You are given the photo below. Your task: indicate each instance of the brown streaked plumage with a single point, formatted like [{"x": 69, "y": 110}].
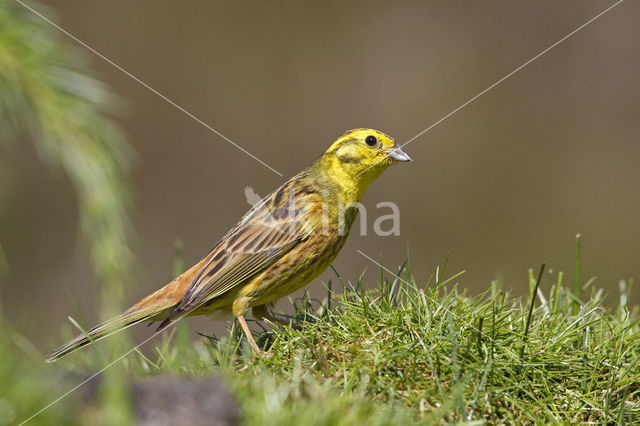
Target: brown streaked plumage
[{"x": 280, "y": 245}]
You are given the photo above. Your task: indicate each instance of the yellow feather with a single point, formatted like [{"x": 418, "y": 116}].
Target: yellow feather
[{"x": 280, "y": 245}]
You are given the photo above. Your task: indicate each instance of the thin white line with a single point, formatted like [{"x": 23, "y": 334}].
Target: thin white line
[
  {"x": 97, "y": 373},
  {"x": 146, "y": 86},
  {"x": 512, "y": 72},
  {"x": 266, "y": 165},
  {"x": 93, "y": 376},
  {"x": 503, "y": 78}
]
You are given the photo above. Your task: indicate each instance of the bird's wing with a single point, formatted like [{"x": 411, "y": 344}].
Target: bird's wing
[{"x": 264, "y": 235}]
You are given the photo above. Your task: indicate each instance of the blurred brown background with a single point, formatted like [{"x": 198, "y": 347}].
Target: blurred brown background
[{"x": 500, "y": 186}]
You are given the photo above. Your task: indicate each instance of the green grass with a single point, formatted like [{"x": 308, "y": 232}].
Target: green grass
[
  {"x": 403, "y": 352},
  {"x": 408, "y": 350}
]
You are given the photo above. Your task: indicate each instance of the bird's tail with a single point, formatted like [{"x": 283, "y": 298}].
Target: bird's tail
[
  {"x": 128, "y": 318},
  {"x": 156, "y": 306}
]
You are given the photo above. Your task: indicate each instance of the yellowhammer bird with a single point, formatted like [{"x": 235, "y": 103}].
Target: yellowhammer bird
[{"x": 280, "y": 245}]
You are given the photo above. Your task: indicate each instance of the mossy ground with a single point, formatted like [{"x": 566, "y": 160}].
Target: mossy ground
[{"x": 405, "y": 351}]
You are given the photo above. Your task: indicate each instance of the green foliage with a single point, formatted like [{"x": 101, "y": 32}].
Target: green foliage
[
  {"x": 48, "y": 98},
  {"x": 25, "y": 386},
  {"x": 403, "y": 352},
  {"x": 408, "y": 353}
]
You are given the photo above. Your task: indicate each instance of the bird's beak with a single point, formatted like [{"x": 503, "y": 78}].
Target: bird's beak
[{"x": 398, "y": 154}]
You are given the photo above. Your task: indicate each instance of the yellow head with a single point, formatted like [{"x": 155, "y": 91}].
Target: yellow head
[{"x": 358, "y": 157}]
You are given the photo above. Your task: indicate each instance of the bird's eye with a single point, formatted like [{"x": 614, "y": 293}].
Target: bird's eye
[{"x": 371, "y": 140}]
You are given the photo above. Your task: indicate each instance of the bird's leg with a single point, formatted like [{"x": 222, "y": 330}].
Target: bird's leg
[
  {"x": 262, "y": 313},
  {"x": 247, "y": 332}
]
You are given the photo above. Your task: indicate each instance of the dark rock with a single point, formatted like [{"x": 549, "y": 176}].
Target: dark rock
[{"x": 168, "y": 400}]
